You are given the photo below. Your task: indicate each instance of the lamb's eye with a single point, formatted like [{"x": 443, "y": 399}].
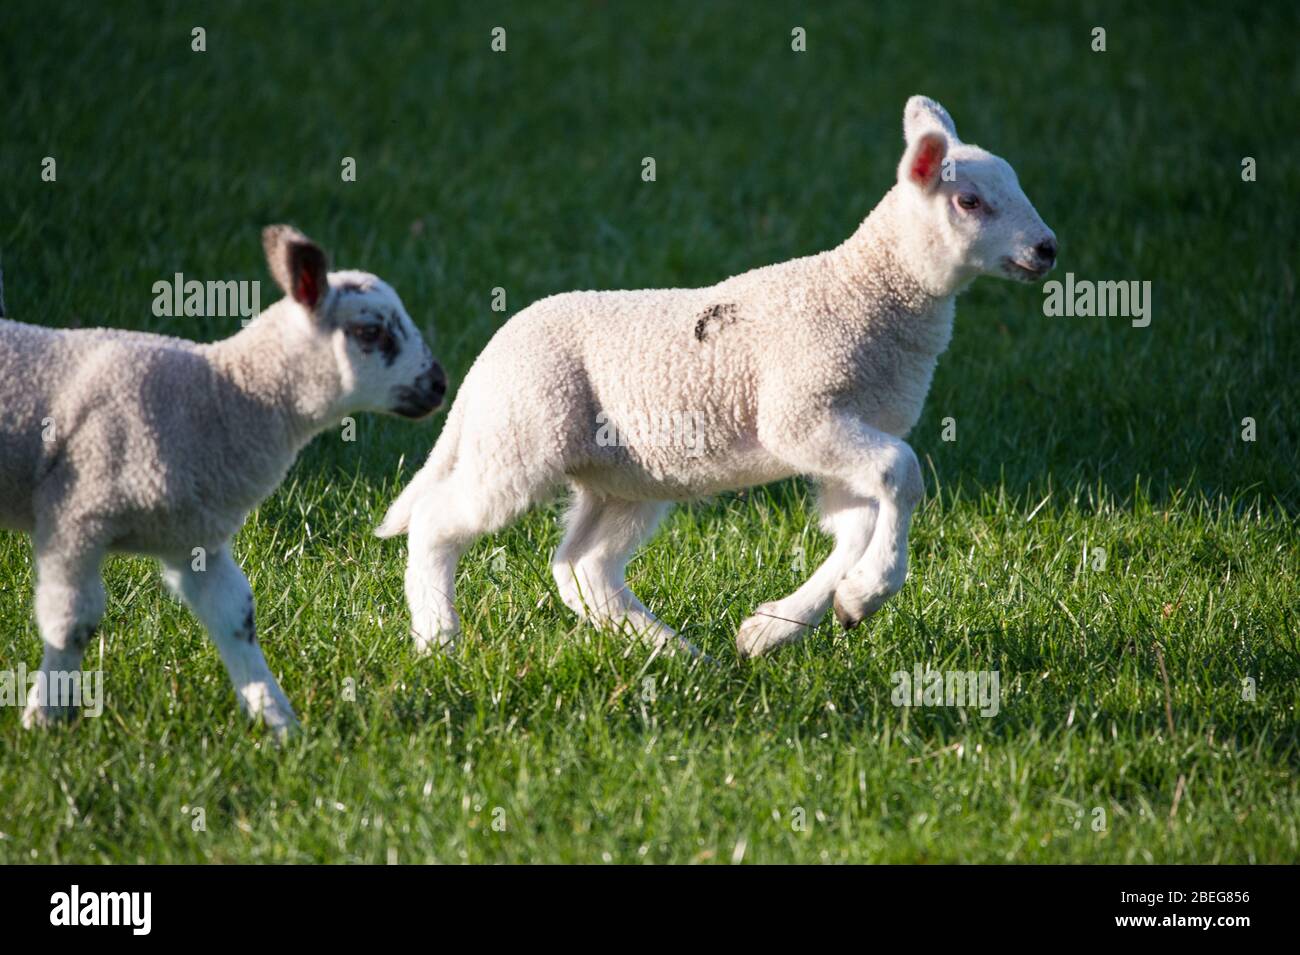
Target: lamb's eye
[
  {"x": 366, "y": 334},
  {"x": 968, "y": 201}
]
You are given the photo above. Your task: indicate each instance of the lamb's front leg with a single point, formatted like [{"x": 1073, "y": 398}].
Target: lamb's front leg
[
  {"x": 851, "y": 519},
  {"x": 875, "y": 467},
  {"x": 892, "y": 475},
  {"x": 221, "y": 598},
  {"x": 69, "y": 604}
]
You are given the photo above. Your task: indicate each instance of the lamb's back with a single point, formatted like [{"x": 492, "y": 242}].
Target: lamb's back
[{"x": 128, "y": 432}]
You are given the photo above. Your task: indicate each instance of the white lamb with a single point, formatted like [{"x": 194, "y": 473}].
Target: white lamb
[
  {"x": 122, "y": 441},
  {"x": 817, "y": 366}
]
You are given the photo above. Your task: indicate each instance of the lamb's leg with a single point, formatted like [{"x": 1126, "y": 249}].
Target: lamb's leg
[
  {"x": 434, "y": 547},
  {"x": 851, "y": 520},
  {"x": 69, "y": 604},
  {"x": 590, "y": 564},
  {"x": 893, "y": 478},
  {"x": 220, "y": 597},
  {"x": 449, "y": 516},
  {"x": 876, "y": 467}
]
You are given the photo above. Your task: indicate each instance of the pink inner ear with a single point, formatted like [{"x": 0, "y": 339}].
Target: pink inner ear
[
  {"x": 305, "y": 290},
  {"x": 926, "y": 164}
]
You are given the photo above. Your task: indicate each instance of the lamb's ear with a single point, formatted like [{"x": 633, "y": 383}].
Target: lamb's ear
[
  {"x": 922, "y": 113},
  {"x": 923, "y": 159},
  {"x": 297, "y": 264}
]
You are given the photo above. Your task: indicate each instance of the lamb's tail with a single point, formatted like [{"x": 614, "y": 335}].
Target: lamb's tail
[{"x": 440, "y": 464}]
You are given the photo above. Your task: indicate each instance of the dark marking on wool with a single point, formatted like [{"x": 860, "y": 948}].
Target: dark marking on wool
[
  {"x": 720, "y": 315},
  {"x": 249, "y": 630}
]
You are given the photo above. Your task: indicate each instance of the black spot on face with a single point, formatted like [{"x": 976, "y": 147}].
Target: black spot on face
[
  {"x": 388, "y": 351},
  {"x": 718, "y": 316},
  {"x": 379, "y": 333}
]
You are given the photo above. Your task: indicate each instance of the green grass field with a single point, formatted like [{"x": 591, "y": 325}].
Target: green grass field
[{"x": 1125, "y": 698}]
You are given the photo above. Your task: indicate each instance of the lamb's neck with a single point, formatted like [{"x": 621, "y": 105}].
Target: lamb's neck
[
  {"x": 279, "y": 365},
  {"x": 888, "y": 248}
]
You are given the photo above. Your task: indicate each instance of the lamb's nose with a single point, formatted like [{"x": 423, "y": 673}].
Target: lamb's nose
[
  {"x": 1046, "y": 250},
  {"x": 437, "y": 380}
]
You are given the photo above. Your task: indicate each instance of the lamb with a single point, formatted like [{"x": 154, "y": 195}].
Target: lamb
[
  {"x": 818, "y": 366},
  {"x": 123, "y": 441}
]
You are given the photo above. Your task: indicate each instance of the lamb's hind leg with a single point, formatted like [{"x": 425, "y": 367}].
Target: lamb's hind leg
[
  {"x": 449, "y": 516},
  {"x": 434, "y": 546},
  {"x": 851, "y": 519},
  {"x": 590, "y": 565},
  {"x": 220, "y": 597},
  {"x": 69, "y": 604}
]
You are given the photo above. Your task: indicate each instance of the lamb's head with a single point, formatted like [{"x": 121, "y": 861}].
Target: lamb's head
[
  {"x": 976, "y": 218},
  {"x": 382, "y": 361}
]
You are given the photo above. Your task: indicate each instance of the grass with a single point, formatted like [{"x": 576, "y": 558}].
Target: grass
[{"x": 1122, "y": 685}]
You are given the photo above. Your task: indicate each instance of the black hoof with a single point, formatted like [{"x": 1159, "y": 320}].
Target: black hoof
[{"x": 846, "y": 619}]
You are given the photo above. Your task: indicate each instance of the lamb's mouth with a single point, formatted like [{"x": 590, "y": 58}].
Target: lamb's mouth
[
  {"x": 1024, "y": 273},
  {"x": 415, "y": 403}
]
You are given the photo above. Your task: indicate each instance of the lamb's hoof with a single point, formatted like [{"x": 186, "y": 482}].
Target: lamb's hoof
[
  {"x": 41, "y": 717},
  {"x": 268, "y": 705},
  {"x": 766, "y": 630},
  {"x": 282, "y": 728},
  {"x": 676, "y": 645},
  {"x": 749, "y": 638},
  {"x": 443, "y": 641},
  {"x": 847, "y": 620}
]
